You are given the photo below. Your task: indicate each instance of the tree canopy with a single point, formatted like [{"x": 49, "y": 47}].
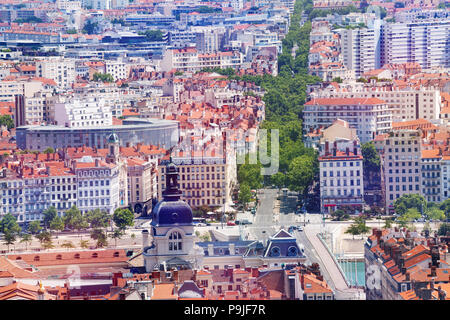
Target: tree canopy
[{"x": 123, "y": 218}]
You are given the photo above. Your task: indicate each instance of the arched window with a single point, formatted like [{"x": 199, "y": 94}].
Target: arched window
[
  {"x": 175, "y": 241},
  {"x": 275, "y": 252},
  {"x": 292, "y": 251}
]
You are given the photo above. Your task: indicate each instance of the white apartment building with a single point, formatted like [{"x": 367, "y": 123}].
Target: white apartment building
[
  {"x": 98, "y": 186},
  {"x": 61, "y": 70},
  {"x": 369, "y": 117},
  {"x": 29, "y": 190},
  {"x": 358, "y": 49},
  {"x": 445, "y": 177},
  {"x": 189, "y": 59},
  {"x": 117, "y": 69},
  {"x": 68, "y": 5},
  {"x": 406, "y": 104},
  {"x": 401, "y": 165},
  {"x": 431, "y": 175},
  {"x": 341, "y": 168},
  {"x": 423, "y": 41},
  {"x": 82, "y": 113}
]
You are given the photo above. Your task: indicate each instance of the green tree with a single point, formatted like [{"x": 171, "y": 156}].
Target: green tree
[
  {"x": 279, "y": 179},
  {"x": 68, "y": 245},
  {"x": 387, "y": 223},
  {"x": 71, "y": 31},
  {"x": 301, "y": 173},
  {"x": 9, "y": 237},
  {"x": 49, "y": 214},
  {"x": 340, "y": 215},
  {"x": 435, "y": 214},
  {"x": 57, "y": 224},
  {"x": 84, "y": 244},
  {"x": 245, "y": 194},
  {"x": 26, "y": 238},
  {"x": 89, "y": 27},
  {"x": 6, "y": 120},
  {"x": 445, "y": 206},
  {"x": 9, "y": 224},
  {"x": 49, "y": 150},
  {"x": 44, "y": 236},
  {"x": 353, "y": 230},
  {"x": 47, "y": 244},
  {"x": 98, "y": 219},
  {"x": 103, "y": 77},
  {"x": 123, "y": 218},
  {"x": 100, "y": 236},
  {"x": 153, "y": 35},
  {"x": 408, "y": 217},
  {"x": 408, "y": 201},
  {"x": 117, "y": 234},
  {"x": 72, "y": 218}
]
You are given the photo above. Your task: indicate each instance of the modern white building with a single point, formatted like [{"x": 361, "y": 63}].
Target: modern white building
[
  {"x": 61, "y": 70},
  {"x": 422, "y": 41},
  {"x": 369, "y": 117},
  {"x": 445, "y": 177},
  {"x": 118, "y": 69},
  {"x": 359, "y": 49},
  {"x": 83, "y": 113}
]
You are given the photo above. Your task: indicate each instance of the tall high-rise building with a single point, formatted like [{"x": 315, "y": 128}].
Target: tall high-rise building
[{"x": 422, "y": 41}]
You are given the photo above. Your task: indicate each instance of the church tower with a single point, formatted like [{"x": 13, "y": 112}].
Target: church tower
[
  {"x": 113, "y": 149},
  {"x": 172, "y": 229}
]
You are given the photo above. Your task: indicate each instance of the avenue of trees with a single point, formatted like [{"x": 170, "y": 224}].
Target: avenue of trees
[{"x": 97, "y": 221}]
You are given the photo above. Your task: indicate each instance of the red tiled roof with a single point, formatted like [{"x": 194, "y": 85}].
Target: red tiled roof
[{"x": 344, "y": 101}]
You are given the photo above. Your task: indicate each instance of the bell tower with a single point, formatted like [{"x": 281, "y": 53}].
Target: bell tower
[{"x": 113, "y": 149}]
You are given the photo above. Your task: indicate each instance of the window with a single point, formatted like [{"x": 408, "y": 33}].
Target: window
[
  {"x": 37, "y": 258},
  {"x": 58, "y": 257},
  {"x": 116, "y": 254},
  {"x": 175, "y": 243},
  {"x": 94, "y": 255},
  {"x": 77, "y": 256}
]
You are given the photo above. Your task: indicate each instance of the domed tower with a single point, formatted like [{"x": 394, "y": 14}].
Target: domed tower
[
  {"x": 172, "y": 229},
  {"x": 113, "y": 149}
]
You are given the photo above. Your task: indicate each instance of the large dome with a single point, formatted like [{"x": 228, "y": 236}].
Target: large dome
[
  {"x": 171, "y": 210},
  {"x": 172, "y": 213}
]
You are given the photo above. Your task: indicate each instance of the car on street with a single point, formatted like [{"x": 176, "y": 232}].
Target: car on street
[
  {"x": 300, "y": 228},
  {"x": 292, "y": 229},
  {"x": 201, "y": 224},
  {"x": 231, "y": 223}
]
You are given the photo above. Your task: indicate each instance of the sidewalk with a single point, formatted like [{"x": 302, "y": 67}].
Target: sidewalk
[
  {"x": 324, "y": 255},
  {"x": 332, "y": 269}
]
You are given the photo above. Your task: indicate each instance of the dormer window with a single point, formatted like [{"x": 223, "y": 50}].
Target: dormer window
[
  {"x": 37, "y": 258},
  {"x": 94, "y": 255},
  {"x": 58, "y": 257}
]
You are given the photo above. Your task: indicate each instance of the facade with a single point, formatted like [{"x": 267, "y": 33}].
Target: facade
[
  {"x": 117, "y": 69},
  {"x": 445, "y": 177},
  {"x": 98, "y": 186},
  {"x": 358, "y": 49},
  {"x": 203, "y": 181},
  {"x": 149, "y": 132},
  {"x": 76, "y": 113},
  {"x": 61, "y": 70},
  {"x": 401, "y": 158},
  {"x": 189, "y": 59},
  {"x": 423, "y": 41},
  {"x": 341, "y": 169},
  {"x": 142, "y": 183},
  {"x": 369, "y": 117},
  {"x": 431, "y": 175}
]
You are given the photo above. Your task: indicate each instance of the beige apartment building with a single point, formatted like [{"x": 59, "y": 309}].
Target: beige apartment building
[
  {"x": 203, "y": 181},
  {"x": 401, "y": 164},
  {"x": 142, "y": 182},
  {"x": 406, "y": 104}
]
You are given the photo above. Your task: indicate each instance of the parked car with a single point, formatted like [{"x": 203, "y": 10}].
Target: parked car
[
  {"x": 300, "y": 228},
  {"x": 231, "y": 223},
  {"x": 292, "y": 229}
]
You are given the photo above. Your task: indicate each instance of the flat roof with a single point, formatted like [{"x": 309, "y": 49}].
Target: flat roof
[{"x": 130, "y": 123}]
